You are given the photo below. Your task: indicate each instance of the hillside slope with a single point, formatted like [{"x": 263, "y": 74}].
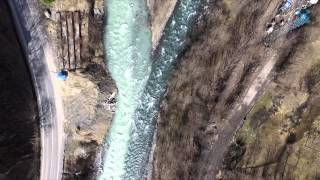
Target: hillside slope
[{"x": 214, "y": 87}]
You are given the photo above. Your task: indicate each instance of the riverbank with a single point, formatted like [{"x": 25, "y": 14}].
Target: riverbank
[
  {"x": 160, "y": 12},
  {"x": 211, "y": 92},
  {"x": 75, "y": 28}
]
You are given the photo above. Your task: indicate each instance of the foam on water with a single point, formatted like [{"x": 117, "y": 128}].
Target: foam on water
[
  {"x": 170, "y": 47},
  {"x": 128, "y": 46},
  {"x": 141, "y": 84}
]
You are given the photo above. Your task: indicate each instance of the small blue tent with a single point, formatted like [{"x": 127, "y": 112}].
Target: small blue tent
[{"x": 62, "y": 75}]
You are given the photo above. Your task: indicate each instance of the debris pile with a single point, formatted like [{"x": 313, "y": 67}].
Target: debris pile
[
  {"x": 292, "y": 14},
  {"x": 110, "y": 103},
  {"x": 302, "y": 17},
  {"x": 69, "y": 35}
]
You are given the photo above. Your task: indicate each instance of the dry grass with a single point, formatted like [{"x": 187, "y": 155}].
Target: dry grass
[
  {"x": 213, "y": 75},
  {"x": 295, "y": 116},
  {"x": 71, "y": 5}
]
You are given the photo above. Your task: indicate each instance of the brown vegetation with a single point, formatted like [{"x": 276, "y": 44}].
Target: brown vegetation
[
  {"x": 285, "y": 145},
  {"x": 226, "y": 53}
]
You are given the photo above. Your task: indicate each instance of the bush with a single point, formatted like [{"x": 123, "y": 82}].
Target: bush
[
  {"x": 312, "y": 77},
  {"x": 47, "y": 2},
  {"x": 234, "y": 154}
]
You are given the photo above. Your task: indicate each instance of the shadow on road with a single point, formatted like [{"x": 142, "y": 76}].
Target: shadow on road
[{"x": 19, "y": 132}]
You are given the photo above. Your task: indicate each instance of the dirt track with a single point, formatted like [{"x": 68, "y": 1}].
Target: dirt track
[{"x": 40, "y": 60}]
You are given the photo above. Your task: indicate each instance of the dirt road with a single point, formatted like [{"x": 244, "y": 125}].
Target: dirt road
[
  {"x": 40, "y": 60},
  {"x": 235, "y": 121}
]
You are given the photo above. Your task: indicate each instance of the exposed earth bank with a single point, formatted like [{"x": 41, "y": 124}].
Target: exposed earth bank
[{"x": 160, "y": 11}]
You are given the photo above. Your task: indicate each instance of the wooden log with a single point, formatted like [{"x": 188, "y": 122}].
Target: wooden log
[
  {"x": 72, "y": 62},
  {"x": 84, "y": 39},
  {"x": 59, "y": 41},
  {"x": 64, "y": 41},
  {"x": 77, "y": 46}
]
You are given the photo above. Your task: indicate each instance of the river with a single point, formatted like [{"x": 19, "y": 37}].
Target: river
[{"x": 140, "y": 82}]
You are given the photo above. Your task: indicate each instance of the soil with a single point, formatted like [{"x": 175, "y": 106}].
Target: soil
[
  {"x": 199, "y": 114},
  {"x": 19, "y": 130}
]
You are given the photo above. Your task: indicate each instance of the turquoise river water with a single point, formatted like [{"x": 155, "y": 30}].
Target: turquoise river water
[{"x": 140, "y": 82}]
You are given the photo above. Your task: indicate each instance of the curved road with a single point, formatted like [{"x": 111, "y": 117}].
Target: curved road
[{"x": 40, "y": 59}]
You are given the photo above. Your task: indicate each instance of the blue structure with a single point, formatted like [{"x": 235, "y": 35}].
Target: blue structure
[
  {"x": 62, "y": 75},
  {"x": 302, "y": 17},
  {"x": 286, "y": 5}
]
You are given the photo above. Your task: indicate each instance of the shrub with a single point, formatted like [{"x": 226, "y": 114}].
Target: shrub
[
  {"x": 234, "y": 154},
  {"x": 47, "y": 2}
]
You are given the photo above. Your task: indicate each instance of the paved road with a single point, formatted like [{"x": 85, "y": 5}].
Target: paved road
[{"x": 40, "y": 59}]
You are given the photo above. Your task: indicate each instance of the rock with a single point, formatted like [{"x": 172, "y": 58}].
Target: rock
[
  {"x": 313, "y": 1},
  {"x": 219, "y": 175},
  {"x": 47, "y": 13},
  {"x": 211, "y": 129}
]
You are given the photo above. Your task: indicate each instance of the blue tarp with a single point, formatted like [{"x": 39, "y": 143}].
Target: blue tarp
[
  {"x": 302, "y": 17},
  {"x": 62, "y": 75}
]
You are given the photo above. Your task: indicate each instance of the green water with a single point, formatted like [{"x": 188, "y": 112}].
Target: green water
[
  {"x": 166, "y": 57},
  {"x": 128, "y": 42},
  {"x": 141, "y": 84}
]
